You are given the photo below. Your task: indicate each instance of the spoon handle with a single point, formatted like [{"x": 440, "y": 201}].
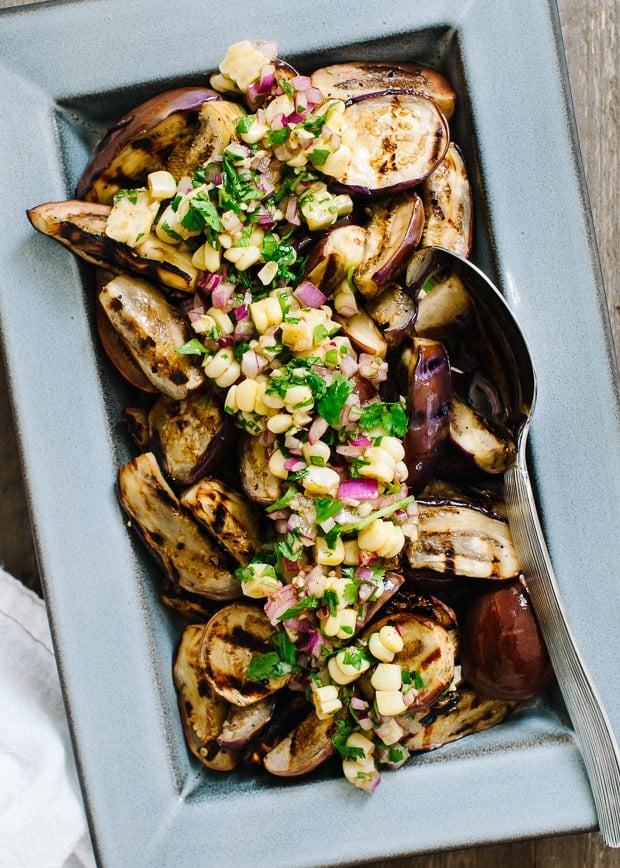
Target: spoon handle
[{"x": 593, "y": 730}]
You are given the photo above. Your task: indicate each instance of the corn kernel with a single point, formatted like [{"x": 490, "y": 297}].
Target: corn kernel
[
  {"x": 390, "y": 702},
  {"x": 207, "y": 258},
  {"x": 219, "y": 363},
  {"x": 391, "y": 638},
  {"x": 230, "y": 402},
  {"x": 276, "y": 464},
  {"x": 279, "y": 423},
  {"x": 373, "y": 536},
  {"x": 246, "y": 395},
  {"x": 298, "y": 397},
  {"x": 387, "y": 676},
  {"x": 348, "y": 623},
  {"x": 161, "y": 184},
  {"x": 243, "y": 257},
  {"x": 380, "y": 464},
  {"x": 297, "y": 336},
  {"x": 265, "y": 313},
  {"x": 378, "y": 649},
  {"x": 230, "y": 375},
  {"x": 356, "y": 739},
  {"x": 327, "y": 556},
  {"x": 344, "y": 673},
  {"x": 316, "y": 453},
  {"x": 321, "y": 480},
  {"x": 222, "y": 321},
  {"x": 261, "y": 582},
  {"x": 331, "y": 625},
  {"x": 351, "y": 553},
  {"x": 394, "y": 447},
  {"x": 394, "y": 541},
  {"x": 326, "y": 701}
]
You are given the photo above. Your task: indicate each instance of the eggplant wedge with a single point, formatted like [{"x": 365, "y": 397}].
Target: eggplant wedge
[
  {"x": 460, "y": 539},
  {"x": 399, "y": 140},
  {"x": 231, "y": 639},
  {"x": 304, "y": 749},
  {"x": 190, "y": 436},
  {"x": 231, "y": 519},
  {"x": 428, "y": 651},
  {"x": 257, "y": 481},
  {"x": 81, "y": 227},
  {"x": 426, "y": 371},
  {"x": 186, "y": 553},
  {"x": 486, "y": 443},
  {"x": 394, "y": 313},
  {"x": 393, "y": 230},
  {"x": 161, "y": 133},
  {"x": 447, "y": 198},
  {"x": 363, "y": 332},
  {"x": 118, "y": 354},
  {"x": 348, "y": 80},
  {"x": 456, "y": 714},
  {"x": 203, "y": 713},
  {"x": 334, "y": 255},
  {"x": 243, "y": 725},
  {"x": 152, "y": 329}
]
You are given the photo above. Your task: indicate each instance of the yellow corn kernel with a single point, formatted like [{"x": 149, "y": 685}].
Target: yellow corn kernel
[
  {"x": 266, "y": 313},
  {"x": 373, "y": 536},
  {"x": 343, "y": 673},
  {"x": 298, "y": 398},
  {"x": 331, "y": 624},
  {"x": 391, "y": 639},
  {"x": 390, "y": 702},
  {"x": 243, "y": 257},
  {"x": 273, "y": 401},
  {"x": 321, "y": 480},
  {"x": 387, "y": 676},
  {"x": 261, "y": 583},
  {"x": 356, "y": 739},
  {"x": 161, "y": 184},
  {"x": 207, "y": 258},
  {"x": 316, "y": 453},
  {"x": 230, "y": 375},
  {"x": 276, "y": 464},
  {"x": 246, "y": 395},
  {"x": 230, "y": 403},
  {"x": 326, "y": 701},
  {"x": 255, "y": 133},
  {"x": 394, "y": 541},
  {"x": 336, "y": 165},
  {"x": 219, "y": 363},
  {"x": 351, "y": 553},
  {"x": 394, "y": 447},
  {"x": 380, "y": 464},
  {"x": 204, "y": 325},
  {"x": 327, "y": 556},
  {"x": 279, "y": 423},
  {"x": 268, "y": 272},
  {"x": 131, "y": 218},
  {"x": 348, "y": 623},
  {"x": 297, "y": 336},
  {"x": 301, "y": 419},
  {"x": 222, "y": 320},
  {"x": 378, "y": 649},
  {"x": 345, "y": 301}
]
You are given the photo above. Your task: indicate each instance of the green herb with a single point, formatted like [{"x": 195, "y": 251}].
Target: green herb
[
  {"x": 378, "y": 513},
  {"x": 330, "y": 406},
  {"x": 132, "y": 195},
  {"x": 319, "y": 334},
  {"x": 326, "y": 507},
  {"x": 330, "y": 599},
  {"x": 284, "y": 501},
  {"x": 391, "y": 417},
  {"x": 193, "y": 347},
  {"x": 318, "y": 156},
  {"x": 275, "y": 663},
  {"x": 345, "y": 728},
  {"x": 202, "y": 214},
  {"x": 167, "y": 228},
  {"x": 308, "y": 602},
  {"x": 395, "y": 753},
  {"x": 355, "y": 656},
  {"x": 278, "y": 137}
]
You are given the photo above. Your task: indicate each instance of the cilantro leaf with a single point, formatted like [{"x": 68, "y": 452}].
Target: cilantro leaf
[
  {"x": 391, "y": 417},
  {"x": 330, "y": 406}
]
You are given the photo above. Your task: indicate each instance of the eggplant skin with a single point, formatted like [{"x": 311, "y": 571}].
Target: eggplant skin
[
  {"x": 189, "y": 558},
  {"x": 503, "y": 653}
]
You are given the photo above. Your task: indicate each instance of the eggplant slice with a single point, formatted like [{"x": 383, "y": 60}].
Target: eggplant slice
[
  {"x": 304, "y": 749},
  {"x": 488, "y": 444},
  {"x": 152, "y": 329},
  {"x": 447, "y": 198},
  {"x": 187, "y": 554},
  {"x": 232, "y": 637},
  {"x": 190, "y": 436},
  {"x": 203, "y": 712},
  {"x": 81, "y": 227},
  {"x": 460, "y": 539}
]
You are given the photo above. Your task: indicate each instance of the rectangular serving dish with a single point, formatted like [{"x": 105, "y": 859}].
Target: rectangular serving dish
[{"x": 69, "y": 69}]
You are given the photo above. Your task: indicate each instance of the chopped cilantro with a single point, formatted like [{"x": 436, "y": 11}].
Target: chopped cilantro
[
  {"x": 326, "y": 507},
  {"x": 273, "y": 664},
  {"x": 345, "y": 728},
  {"x": 308, "y": 602},
  {"x": 193, "y": 347},
  {"x": 331, "y": 404},
  {"x": 391, "y": 417}
]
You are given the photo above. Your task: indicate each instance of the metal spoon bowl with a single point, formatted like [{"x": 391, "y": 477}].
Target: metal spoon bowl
[{"x": 507, "y": 350}]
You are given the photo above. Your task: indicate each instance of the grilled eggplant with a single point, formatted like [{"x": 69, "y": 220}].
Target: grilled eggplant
[
  {"x": 426, "y": 372},
  {"x": 454, "y": 715},
  {"x": 400, "y": 139},
  {"x": 334, "y": 255},
  {"x": 189, "y": 436},
  {"x": 243, "y": 725},
  {"x": 394, "y": 313},
  {"x": 488, "y": 444},
  {"x": 307, "y": 747},
  {"x": 175, "y": 130},
  {"x": 348, "y": 80},
  {"x": 152, "y": 330},
  {"x": 393, "y": 230},
  {"x": 81, "y": 226},
  {"x": 232, "y": 637},
  {"x": 363, "y": 333},
  {"x": 257, "y": 481},
  {"x": 447, "y": 205},
  {"x": 187, "y": 554},
  {"x": 464, "y": 540},
  {"x": 202, "y": 711},
  {"x": 230, "y": 518}
]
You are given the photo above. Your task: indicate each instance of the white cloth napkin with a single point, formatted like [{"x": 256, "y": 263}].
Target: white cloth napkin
[{"x": 42, "y": 821}]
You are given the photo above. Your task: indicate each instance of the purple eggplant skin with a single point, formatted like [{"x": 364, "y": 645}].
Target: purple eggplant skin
[
  {"x": 404, "y": 137},
  {"x": 392, "y": 232},
  {"x": 347, "y": 80},
  {"x": 142, "y": 138},
  {"x": 394, "y": 312},
  {"x": 429, "y": 396},
  {"x": 502, "y": 651},
  {"x": 448, "y": 205}
]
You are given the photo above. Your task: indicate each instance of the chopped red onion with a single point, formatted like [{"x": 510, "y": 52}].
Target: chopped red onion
[
  {"x": 294, "y": 465},
  {"x": 318, "y": 427},
  {"x": 361, "y": 440},
  {"x": 309, "y": 295},
  {"x": 221, "y": 292},
  {"x": 358, "y": 489}
]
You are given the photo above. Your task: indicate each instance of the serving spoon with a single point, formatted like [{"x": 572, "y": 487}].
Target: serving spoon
[{"x": 509, "y": 350}]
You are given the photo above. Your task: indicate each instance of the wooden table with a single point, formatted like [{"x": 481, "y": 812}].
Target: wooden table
[{"x": 590, "y": 31}]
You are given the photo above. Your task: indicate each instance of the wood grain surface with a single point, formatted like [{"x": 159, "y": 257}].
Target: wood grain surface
[{"x": 590, "y": 33}]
